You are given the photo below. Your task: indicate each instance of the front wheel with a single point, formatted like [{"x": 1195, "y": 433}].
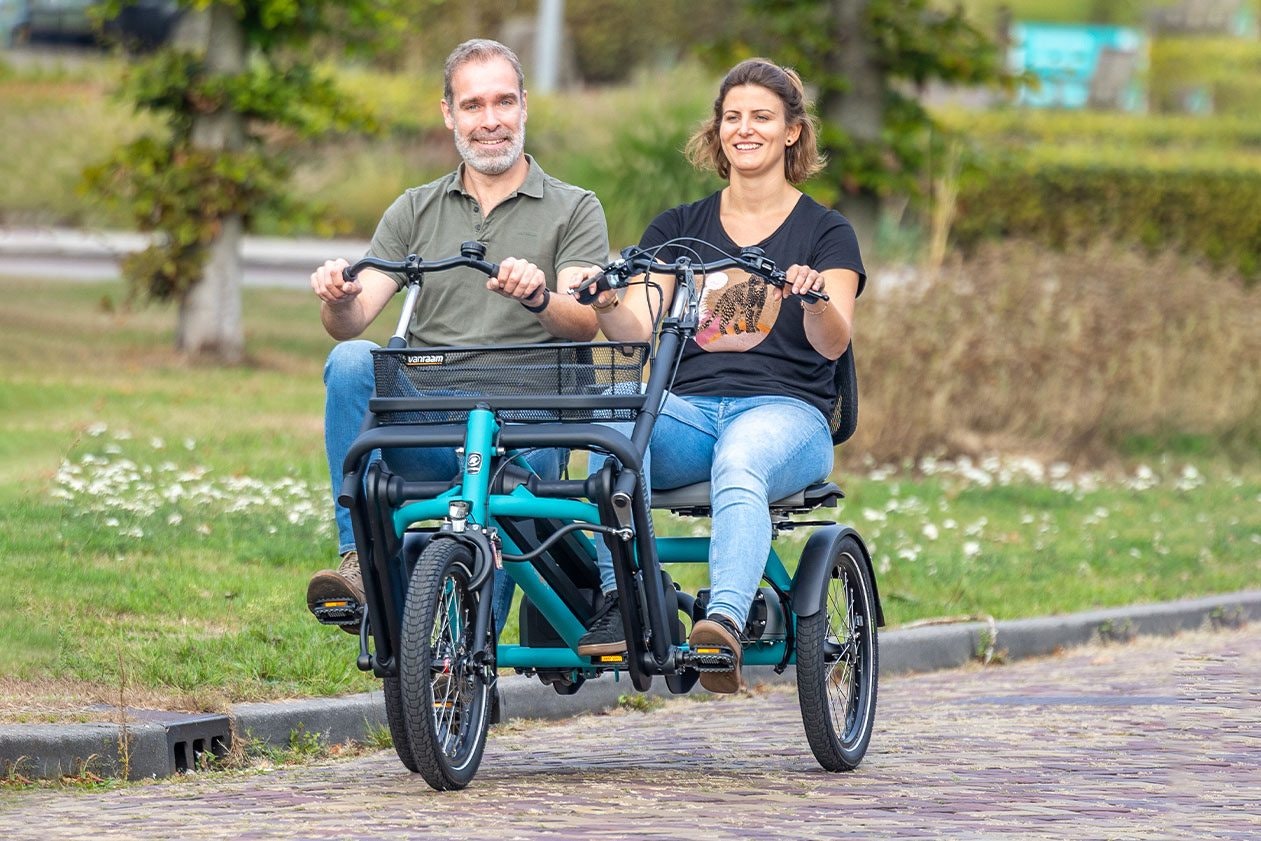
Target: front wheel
[
  {"x": 445, "y": 694},
  {"x": 838, "y": 663}
]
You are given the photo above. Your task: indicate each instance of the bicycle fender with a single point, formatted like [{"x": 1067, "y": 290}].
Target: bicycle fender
[
  {"x": 483, "y": 553},
  {"x": 812, "y": 570}
]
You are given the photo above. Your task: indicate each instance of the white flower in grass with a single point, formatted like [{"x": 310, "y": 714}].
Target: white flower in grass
[
  {"x": 971, "y": 549},
  {"x": 1189, "y": 480},
  {"x": 930, "y": 531},
  {"x": 190, "y": 443},
  {"x": 871, "y": 515},
  {"x": 949, "y": 523},
  {"x": 97, "y": 429},
  {"x": 174, "y": 519},
  {"x": 157, "y": 443},
  {"x": 111, "y": 522}
]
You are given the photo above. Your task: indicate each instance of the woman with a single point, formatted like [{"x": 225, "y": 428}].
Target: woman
[{"x": 748, "y": 411}]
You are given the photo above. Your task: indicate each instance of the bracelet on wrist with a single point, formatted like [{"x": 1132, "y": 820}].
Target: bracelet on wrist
[
  {"x": 823, "y": 306},
  {"x": 542, "y": 305},
  {"x": 612, "y": 305}
]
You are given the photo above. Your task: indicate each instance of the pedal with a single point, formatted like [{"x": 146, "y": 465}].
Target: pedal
[
  {"x": 341, "y": 612},
  {"x": 610, "y": 661},
  {"x": 710, "y": 658}
]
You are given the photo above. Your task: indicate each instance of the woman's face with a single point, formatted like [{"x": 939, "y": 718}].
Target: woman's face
[{"x": 753, "y": 130}]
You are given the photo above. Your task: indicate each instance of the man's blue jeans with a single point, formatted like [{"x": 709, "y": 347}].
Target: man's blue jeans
[
  {"x": 752, "y": 450},
  {"x": 348, "y": 382}
]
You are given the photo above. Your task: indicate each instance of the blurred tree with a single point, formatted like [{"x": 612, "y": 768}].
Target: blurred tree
[
  {"x": 234, "y": 89},
  {"x": 613, "y": 38},
  {"x": 869, "y": 61}
]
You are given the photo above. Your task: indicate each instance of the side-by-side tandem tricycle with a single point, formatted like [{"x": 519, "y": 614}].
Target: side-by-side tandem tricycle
[{"x": 429, "y": 550}]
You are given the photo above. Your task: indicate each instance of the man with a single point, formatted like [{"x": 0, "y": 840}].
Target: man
[{"x": 541, "y": 231}]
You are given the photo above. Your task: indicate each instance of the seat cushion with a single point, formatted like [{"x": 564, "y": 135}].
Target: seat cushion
[{"x": 695, "y": 499}]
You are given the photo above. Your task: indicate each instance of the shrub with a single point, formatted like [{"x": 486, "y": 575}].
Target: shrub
[
  {"x": 1228, "y": 70},
  {"x": 1205, "y": 212},
  {"x": 1073, "y": 354}
]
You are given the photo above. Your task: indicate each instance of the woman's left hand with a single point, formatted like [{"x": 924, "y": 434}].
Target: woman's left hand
[{"x": 802, "y": 279}]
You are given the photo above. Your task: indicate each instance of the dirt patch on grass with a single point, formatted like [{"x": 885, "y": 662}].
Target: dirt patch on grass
[{"x": 64, "y": 702}]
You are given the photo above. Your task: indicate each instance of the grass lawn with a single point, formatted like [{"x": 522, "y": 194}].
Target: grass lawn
[{"x": 160, "y": 520}]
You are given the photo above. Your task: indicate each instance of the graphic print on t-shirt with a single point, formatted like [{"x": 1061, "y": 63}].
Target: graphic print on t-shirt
[{"x": 738, "y": 310}]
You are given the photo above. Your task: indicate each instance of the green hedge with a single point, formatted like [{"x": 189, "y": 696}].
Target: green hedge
[
  {"x": 1211, "y": 213},
  {"x": 1227, "y": 69}
]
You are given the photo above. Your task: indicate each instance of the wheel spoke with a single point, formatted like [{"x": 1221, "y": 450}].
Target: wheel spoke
[
  {"x": 842, "y": 674},
  {"x": 448, "y": 671}
]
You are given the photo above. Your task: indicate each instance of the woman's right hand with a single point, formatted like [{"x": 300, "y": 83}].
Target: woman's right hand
[
  {"x": 330, "y": 286},
  {"x": 603, "y": 301}
]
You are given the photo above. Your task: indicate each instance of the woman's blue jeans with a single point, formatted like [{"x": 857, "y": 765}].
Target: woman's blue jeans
[
  {"x": 752, "y": 450},
  {"x": 349, "y": 382}
]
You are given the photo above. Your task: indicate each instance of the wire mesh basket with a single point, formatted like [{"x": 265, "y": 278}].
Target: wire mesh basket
[{"x": 564, "y": 381}]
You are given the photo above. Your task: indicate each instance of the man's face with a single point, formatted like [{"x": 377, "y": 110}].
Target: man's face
[{"x": 487, "y": 115}]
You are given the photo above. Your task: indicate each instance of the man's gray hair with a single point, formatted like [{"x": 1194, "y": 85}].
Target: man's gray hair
[{"x": 479, "y": 49}]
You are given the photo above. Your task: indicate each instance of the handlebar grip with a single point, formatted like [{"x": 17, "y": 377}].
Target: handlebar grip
[
  {"x": 780, "y": 279},
  {"x": 350, "y": 274},
  {"x": 590, "y": 289}
]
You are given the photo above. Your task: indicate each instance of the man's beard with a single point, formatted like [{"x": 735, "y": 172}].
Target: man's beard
[{"x": 487, "y": 162}]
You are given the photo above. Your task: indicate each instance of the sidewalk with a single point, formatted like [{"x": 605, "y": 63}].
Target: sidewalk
[
  {"x": 68, "y": 253},
  {"x": 164, "y": 743}
]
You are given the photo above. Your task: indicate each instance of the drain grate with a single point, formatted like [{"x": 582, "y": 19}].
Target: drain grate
[{"x": 192, "y": 739}]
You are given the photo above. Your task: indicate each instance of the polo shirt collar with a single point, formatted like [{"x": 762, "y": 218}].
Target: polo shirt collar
[{"x": 532, "y": 186}]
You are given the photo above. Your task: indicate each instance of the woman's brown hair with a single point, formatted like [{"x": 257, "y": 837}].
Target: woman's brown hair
[{"x": 801, "y": 159}]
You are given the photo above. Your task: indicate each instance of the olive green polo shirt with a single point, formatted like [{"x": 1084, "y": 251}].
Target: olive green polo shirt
[{"x": 546, "y": 221}]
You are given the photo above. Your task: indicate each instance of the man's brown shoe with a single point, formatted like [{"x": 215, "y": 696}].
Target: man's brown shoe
[
  {"x": 336, "y": 597},
  {"x": 718, "y": 630}
]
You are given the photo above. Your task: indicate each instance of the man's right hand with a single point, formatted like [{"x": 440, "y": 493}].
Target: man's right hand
[{"x": 331, "y": 287}]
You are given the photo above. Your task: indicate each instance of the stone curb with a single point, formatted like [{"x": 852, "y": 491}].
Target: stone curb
[{"x": 49, "y": 751}]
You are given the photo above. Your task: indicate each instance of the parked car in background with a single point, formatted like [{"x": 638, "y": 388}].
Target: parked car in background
[{"x": 140, "y": 25}]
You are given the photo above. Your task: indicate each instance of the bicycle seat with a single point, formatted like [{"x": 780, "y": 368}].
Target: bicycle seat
[{"x": 694, "y": 501}]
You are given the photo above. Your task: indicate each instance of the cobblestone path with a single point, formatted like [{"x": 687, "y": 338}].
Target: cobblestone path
[{"x": 1158, "y": 738}]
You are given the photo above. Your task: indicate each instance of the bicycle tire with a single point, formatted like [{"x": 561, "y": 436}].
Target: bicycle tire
[
  {"x": 838, "y": 663},
  {"x": 446, "y": 729}
]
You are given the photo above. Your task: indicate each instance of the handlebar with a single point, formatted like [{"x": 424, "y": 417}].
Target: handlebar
[
  {"x": 471, "y": 254},
  {"x": 636, "y": 261}
]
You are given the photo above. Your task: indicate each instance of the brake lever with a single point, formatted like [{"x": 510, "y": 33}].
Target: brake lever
[
  {"x": 609, "y": 277},
  {"x": 779, "y": 280}
]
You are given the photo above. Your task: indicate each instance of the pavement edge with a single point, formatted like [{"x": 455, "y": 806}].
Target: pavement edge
[{"x": 52, "y": 751}]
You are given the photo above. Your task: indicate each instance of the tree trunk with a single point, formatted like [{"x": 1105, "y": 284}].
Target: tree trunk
[
  {"x": 210, "y": 314},
  {"x": 859, "y": 109}
]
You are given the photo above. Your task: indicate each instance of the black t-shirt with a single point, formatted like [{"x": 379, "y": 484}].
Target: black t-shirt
[{"x": 751, "y": 342}]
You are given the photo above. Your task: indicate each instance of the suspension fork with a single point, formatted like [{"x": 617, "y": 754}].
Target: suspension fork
[{"x": 470, "y": 517}]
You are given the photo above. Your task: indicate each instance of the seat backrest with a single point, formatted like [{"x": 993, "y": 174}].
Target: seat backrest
[{"x": 844, "y": 418}]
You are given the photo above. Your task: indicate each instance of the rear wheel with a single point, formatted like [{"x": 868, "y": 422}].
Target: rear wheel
[
  {"x": 445, "y": 694},
  {"x": 838, "y": 662}
]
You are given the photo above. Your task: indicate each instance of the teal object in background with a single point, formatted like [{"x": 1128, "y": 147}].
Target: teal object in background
[{"x": 1080, "y": 65}]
